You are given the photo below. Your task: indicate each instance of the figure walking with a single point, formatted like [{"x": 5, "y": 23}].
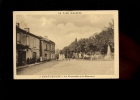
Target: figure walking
[
  {"x": 80, "y": 55},
  {"x": 57, "y": 57},
  {"x": 66, "y": 55}
]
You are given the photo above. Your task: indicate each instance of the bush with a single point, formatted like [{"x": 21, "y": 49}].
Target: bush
[
  {"x": 38, "y": 60},
  {"x": 87, "y": 58}
]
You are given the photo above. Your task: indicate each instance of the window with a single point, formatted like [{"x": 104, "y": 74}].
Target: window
[
  {"x": 34, "y": 42},
  {"x": 51, "y": 47},
  {"x": 28, "y": 40},
  {"x": 46, "y": 46},
  {"x": 45, "y": 55},
  {"x": 18, "y": 37}
]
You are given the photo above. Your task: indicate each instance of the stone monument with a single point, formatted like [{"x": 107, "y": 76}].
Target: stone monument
[{"x": 108, "y": 55}]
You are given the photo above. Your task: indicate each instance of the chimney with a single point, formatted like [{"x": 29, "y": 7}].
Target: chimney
[
  {"x": 46, "y": 37},
  {"x": 17, "y": 24},
  {"x": 27, "y": 29}
]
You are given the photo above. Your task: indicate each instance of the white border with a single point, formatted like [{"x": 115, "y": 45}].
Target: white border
[{"x": 116, "y": 44}]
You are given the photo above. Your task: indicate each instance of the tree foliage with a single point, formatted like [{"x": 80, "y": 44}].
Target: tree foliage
[{"x": 98, "y": 42}]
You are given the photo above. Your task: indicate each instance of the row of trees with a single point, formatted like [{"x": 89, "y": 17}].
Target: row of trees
[{"x": 98, "y": 42}]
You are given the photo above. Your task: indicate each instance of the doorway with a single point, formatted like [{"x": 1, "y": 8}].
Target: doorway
[
  {"x": 34, "y": 56},
  {"x": 21, "y": 58}
]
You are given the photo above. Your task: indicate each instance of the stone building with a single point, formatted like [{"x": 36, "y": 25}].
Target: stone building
[
  {"x": 27, "y": 46},
  {"x": 47, "y": 49},
  {"x": 31, "y": 48}
]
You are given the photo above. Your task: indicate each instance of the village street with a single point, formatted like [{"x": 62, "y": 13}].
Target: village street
[{"x": 72, "y": 67}]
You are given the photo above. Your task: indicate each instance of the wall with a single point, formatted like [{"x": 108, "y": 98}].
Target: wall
[
  {"x": 48, "y": 55},
  {"x": 34, "y": 44},
  {"x": 48, "y": 46},
  {"x": 52, "y": 49},
  {"x": 37, "y": 53},
  {"x": 22, "y": 38},
  {"x": 43, "y": 46},
  {"x": 34, "y": 48},
  {"x": 44, "y": 51},
  {"x": 31, "y": 42}
]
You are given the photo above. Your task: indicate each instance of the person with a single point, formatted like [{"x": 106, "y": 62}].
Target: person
[
  {"x": 71, "y": 54},
  {"x": 34, "y": 59},
  {"x": 80, "y": 55},
  {"x": 66, "y": 55},
  {"x": 77, "y": 55},
  {"x": 27, "y": 60},
  {"x": 91, "y": 57},
  {"x": 57, "y": 57},
  {"x": 63, "y": 56},
  {"x": 60, "y": 56},
  {"x": 83, "y": 55}
]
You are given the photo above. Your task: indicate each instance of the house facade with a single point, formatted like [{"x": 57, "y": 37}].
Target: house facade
[
  {"x": 44, "y": 48},
  {"x": 27, "y": 47},
  {"x": 52, "y": 49},
  {"x": 31, "y": 48},
  {"x": 47, "y": 49}
]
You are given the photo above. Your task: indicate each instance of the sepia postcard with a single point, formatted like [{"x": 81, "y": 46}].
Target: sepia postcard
[{"x": 66, "y": 44}]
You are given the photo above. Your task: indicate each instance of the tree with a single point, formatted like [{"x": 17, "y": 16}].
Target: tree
[
  {"x": 96, "y": 42},
  {"x": 111, "y": 24}
]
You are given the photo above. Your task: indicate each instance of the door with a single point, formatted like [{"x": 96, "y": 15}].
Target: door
[
  {"x": 34, "y": 56},
  {"x": 21, "y": 58}
]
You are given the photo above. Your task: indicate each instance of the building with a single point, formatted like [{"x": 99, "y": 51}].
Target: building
[
  {"x": 31, "y": 48},
  {"x": 47, "y": 49},
  {"x": 52, "y": 49},
  {"x": 27, "y": 46}
]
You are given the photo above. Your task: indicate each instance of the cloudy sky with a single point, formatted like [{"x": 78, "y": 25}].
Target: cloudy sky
[{"x": 63, "y": 29}]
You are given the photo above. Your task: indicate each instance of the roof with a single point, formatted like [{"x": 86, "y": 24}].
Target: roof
[
  {"x": 25, "y": 32},
  {"x": 44, "y": 39},
  {"x": 39, "y": 37},
  {"x": 52, "y": 42},
  {"x": 47, "y": 40}
]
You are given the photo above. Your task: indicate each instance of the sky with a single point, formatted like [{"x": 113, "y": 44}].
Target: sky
[{"x": 64, "y": 29}]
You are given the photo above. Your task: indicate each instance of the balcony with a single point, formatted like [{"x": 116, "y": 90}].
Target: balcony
[{"x": 21, "y": 46}]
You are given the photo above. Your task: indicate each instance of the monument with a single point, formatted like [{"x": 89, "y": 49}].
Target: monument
[{"x": 108, "y": 55}]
